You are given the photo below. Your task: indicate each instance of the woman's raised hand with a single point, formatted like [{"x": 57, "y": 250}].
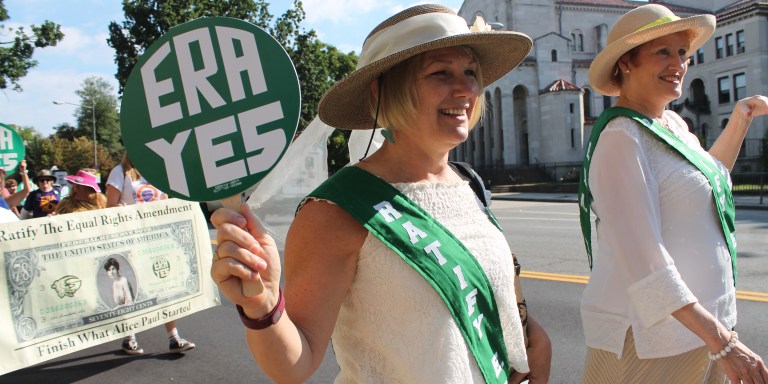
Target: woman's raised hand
[
  {"x": 244, "y": 252},
  {"x": 752, "y": 106}
]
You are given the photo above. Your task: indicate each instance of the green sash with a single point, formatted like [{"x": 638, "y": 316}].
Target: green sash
[
  {"x": 722, "y": 191},
  {"x": 427, "y": 246}
]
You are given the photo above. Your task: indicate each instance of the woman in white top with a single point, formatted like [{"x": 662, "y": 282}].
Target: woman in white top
[
  {"x": 660, "y": 305},
  {"x": 126, "y": 186},
  {"x": 420, "y": 75}
]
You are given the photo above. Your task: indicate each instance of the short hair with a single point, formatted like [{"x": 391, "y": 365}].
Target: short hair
[
  {"x": 398, "y": 94},
  {"x": 111, "y": 262},
  {"x": 618, "y": 76}
]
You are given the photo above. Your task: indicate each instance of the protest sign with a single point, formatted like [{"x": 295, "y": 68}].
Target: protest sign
[
  {"x": 58, "y": 295},
  {"x": 12, "y": 149},
  {"x": 210, "y": 108}
]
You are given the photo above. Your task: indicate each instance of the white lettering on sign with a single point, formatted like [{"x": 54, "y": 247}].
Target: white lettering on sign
[
  {"x": 6, "y": 139},
  {"x": 248, "y": 62},
  {"x": 7, "y": 160},
  {"x": 210, "y": 153},
  {"x": 153, "y": 89},
  {"x": 171, "y": 154},
  {"x": 269, "y": 143},
  {"x": 194, "y": 81},
  {"x": 264, "y": 148}
]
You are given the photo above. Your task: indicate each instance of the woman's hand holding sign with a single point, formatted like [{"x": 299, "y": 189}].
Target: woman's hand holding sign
[{"x": 244, "y": 252}]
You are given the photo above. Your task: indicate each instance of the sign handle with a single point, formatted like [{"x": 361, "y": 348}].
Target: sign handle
[{"x": 250, "y": 288}]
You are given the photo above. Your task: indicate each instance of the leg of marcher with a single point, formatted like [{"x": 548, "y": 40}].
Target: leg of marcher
[{"x": 175, "y": 343}]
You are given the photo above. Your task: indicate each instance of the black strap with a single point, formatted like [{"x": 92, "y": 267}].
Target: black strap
[{"x": 469, "y": 174}]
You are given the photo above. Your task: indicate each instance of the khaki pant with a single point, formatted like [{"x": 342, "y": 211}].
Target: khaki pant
[{"x": 603, "y": 367}]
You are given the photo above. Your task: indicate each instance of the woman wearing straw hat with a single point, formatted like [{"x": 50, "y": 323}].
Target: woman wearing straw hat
[
  {"x": 394, "y": 259},
  {"x": 660, "y": 305}
]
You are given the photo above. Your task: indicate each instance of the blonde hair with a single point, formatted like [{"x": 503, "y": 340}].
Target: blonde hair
[
  {"x": 398, "y": 94},
  {"x": 129, "y": 169},
  {"x": 69, "y": 204}
]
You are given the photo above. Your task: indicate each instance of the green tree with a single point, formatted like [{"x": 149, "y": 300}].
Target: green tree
[
  {"x": 16, "y": 55},
  {"x": 64, "y": 131},
  {"x": 27, "y": 133},
  {"x": 40, "y": 154},
  {"x": 97, "y": 100},
  {"x": 147, "y": 20}
]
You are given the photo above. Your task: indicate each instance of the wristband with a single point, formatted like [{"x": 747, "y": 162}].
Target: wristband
[{"x": 268, "y": 320}]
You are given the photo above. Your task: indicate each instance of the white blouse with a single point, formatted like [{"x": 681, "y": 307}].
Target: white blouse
[{"x": 660, "y": 244}]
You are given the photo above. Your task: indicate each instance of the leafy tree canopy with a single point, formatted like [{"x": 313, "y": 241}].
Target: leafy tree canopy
[
  {"x": 16, "y": 55},
  {"x": 97, "y": 101},
  {"x": 318, "y": 65}
]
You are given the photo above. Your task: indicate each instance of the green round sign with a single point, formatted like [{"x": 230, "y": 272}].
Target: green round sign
[
  {"x": 210, "y": 108},
  {"x": 12, "y": 149}
]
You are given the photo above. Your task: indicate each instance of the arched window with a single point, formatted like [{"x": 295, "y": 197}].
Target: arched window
[
  {"x": 581, "y": 42},
  {"x": 587, "y": 103},
  {"x": 554, "y": 55},
  {"x": 573, "y": 41}
]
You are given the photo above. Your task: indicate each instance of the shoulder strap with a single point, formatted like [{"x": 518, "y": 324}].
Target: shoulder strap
[
  {"x": 476, "y": 183},
  {"x": 469, "y": 174},
  {"x": 432, "y": 250}
]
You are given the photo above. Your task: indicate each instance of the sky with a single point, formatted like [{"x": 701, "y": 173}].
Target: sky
[{"x": 84, "y": 51}]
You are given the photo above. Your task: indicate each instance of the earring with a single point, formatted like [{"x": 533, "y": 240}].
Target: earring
[
  {"x": 627, "y": 71},
  {"x": 388, "y": 135}
]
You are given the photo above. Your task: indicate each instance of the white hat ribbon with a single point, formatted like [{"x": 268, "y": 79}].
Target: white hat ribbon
[{"x": 410, "y": 33}]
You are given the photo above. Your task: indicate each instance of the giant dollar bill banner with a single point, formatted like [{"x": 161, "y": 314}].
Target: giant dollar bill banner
[{"x": 73, "y": 281}]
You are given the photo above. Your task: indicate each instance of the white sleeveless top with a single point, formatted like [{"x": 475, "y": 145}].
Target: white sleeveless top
[{"x": 394, "y": 328}]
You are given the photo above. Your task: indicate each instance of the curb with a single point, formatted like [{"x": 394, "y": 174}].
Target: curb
[{"x": 568, "y": 199}]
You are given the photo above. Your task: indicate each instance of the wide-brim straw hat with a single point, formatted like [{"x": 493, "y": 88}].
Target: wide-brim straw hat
[
  {"x": 639, "y": 26},
  {"x": 408, "y": 33}
]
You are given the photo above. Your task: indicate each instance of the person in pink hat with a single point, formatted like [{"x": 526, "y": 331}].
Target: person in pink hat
[{"x": 85, "y": 194}]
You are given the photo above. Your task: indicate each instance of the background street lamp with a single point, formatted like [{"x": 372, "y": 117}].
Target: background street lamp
[{"x": 93, "y": 118}]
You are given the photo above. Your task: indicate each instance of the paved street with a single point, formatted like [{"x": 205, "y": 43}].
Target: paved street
[{"x": 546, "y": 238}]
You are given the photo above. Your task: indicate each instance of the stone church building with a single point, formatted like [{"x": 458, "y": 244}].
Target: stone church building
[{"x": 540, "y": 114}]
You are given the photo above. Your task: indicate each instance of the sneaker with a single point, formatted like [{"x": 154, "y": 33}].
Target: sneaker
[
  {"x": 131, "y": 347},
  {"x": 180, "y": 345}
]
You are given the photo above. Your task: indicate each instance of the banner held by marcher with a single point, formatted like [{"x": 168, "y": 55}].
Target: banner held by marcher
[{"x": 209, "y": 110}]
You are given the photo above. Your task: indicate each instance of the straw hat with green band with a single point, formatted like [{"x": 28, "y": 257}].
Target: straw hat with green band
[
  {"x": 413, "y": 31},
  {"x": 639, "y": 26}
]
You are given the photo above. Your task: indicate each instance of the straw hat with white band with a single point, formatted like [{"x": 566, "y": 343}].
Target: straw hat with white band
[
  {"x": 639, "y": 26},
  {"x": 411, "y": 32}
]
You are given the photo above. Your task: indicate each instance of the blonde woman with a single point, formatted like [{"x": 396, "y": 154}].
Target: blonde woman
[{"x": 85, "y": 194}]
